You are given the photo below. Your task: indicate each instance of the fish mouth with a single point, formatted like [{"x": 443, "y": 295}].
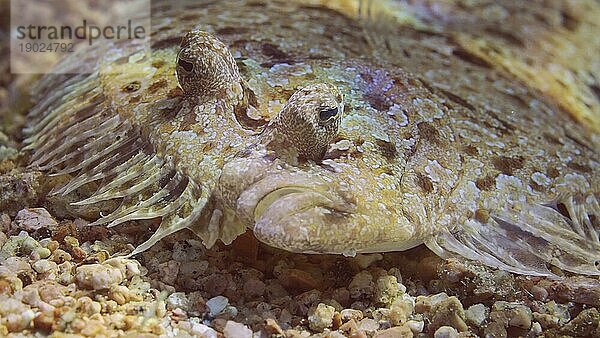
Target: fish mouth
[{"x": 296, "y": 212}]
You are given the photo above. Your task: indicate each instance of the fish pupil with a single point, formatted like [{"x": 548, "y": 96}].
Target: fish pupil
[
  {"x": 326, "y": 114},
  {"x": 188, "y": 66}
]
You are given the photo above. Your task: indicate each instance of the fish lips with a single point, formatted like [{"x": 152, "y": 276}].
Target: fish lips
[{"x": 293, "y": 211}]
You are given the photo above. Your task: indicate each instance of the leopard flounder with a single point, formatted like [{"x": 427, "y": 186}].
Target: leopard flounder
[{"x": 322, "y": 135}]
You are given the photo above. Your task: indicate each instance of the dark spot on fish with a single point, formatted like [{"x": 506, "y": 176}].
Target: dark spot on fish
[
  {"x": 551, "y": 138},
  {"x": 157, "y": 85},
  {"x": 562, "y": 208},
  {"x": 177, "y": 191},
  {"x": 135, "y": 99},
  {"x": 190, "y": 17},
  {"x": 595, "y": 90},
  {"x": 569, "y": 21},
  {"x": 457, "y": 99},
  {"x": 131, "y": 87},
  {"x": 552, "y": 172},
  {"x": 506, "y": 36},
  {"x": 166, "y": 42},
  {"x": 257, "y": 4},
  {"x": 482, "y": 215},
  {"x": 536, "y": 186},
  {"x": 471, "y": 58},
  {"x": 424, "y": 183},
  {"x": 485, "y": 183},
  {"x": 272, "y": 51},
  {"x": 230, "y": 30},
  {"x": 429, "y": 132},
  {"x": 177, "y": 91},
  {"x": 471, "y": 150},
  {"x": 378, "y": 101},
  {"x": 387, "y": 149},
  {"x": 579, "y": 167},
  {"x": 507, "y": 165},
  {"x": 158, "y": 64},
  {"x": 505, "y": 127},
  {"x": 122, "y": 60}
]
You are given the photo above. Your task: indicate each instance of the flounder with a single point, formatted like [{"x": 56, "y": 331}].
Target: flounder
[{"x": 325, "y": 133}]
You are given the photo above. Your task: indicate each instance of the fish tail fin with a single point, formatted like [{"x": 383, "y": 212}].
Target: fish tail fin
[{"x": 529, "y": 239}]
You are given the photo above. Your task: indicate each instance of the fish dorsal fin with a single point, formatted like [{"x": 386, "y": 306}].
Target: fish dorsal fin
[{"x": 529, "y": 238}]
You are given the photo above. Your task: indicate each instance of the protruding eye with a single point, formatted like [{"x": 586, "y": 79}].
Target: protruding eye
[
  {"x": 187, "y": 66},
  {"x": 327, "y": 114}
]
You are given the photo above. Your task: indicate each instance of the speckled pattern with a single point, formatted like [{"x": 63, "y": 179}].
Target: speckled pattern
[{"x": 436, "y": 144}]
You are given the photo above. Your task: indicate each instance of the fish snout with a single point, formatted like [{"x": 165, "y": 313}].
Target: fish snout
[{"x": 291, "y": 210}]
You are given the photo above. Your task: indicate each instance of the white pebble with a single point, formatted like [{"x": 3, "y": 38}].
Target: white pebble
[
  {"x": 236, "y": 330},
  {"x": 217, "y": 304}
]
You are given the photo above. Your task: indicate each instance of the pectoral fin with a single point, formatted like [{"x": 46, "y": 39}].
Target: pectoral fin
[{"x": 529, "y": 238}]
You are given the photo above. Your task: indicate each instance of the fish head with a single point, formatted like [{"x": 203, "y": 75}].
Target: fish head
[{"x": 298, "y": 193}]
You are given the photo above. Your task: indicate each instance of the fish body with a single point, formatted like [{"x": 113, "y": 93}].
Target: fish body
[{"x": 434, "y": 143}]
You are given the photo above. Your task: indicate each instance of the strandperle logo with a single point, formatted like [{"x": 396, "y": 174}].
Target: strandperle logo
[
  {"x": 46, "y": 31},
  {"x": 83, "y": 32}
]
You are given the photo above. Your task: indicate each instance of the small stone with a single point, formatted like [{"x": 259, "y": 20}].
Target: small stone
[
  {"x": 97, "y": 276},
  {"x": 365, "y": 260},
  {"x": 34, "y": 219},
  {"x": 236, "y": 330},
  {"x": 395, "y": 332},
  {"x": 361, "y": 285},
  {"x": 547, "y": 321},
  {"x": 254, "y": 288},
  {"x": 476, "y": 314},
  {"x": 348, "y": 314},
  {"x": 272, "y": 327},
  {"x": 44, "y": 266},
  {"x": 539, "y": 293},
  {"x": 216, "y": 305},
  {"x": 536, "y": 328},
  {"x": 446, "y": 332},
  {"x": 448, "y": 312},
  {"x": 321, "y": 318},
  {"x": 416, "y": 326},
  {"x": 368, "y": 325},
  {"x": 177, "y": 300},
  {"x": 203, "y": 331},
  {"x": 169, "y": 272},
  {"x": 586, "y": 324},
  {"x": 387, "y": 289},
  {"x": 518, "y": 314}
]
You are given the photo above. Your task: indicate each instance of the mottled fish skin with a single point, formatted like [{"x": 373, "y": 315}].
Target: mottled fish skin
[{"x": 434, "y": 145}]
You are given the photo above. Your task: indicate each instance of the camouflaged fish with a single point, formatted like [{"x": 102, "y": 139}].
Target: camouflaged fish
[{"x": 325, "y": 132}]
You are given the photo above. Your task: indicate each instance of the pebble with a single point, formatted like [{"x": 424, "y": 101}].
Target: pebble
[
  {"x": 518, "y": 314},
  {"x": 321, "y": 318},
  {"x": 416, "y": 326},
  {"x": 395, "y": 332},
  {"x": 368, "y": 324},
  {"x": 348, "y": 314},
  {"x": 177, "y": 300},
  {"x": 97, "y": 276},
  {"x": 254, "y": 288},
  {"x": 236, "y": 330},
  {"x": 447, "y": 312},
  {"x": 446, "y": 332},
  {"x": 44, "y": 266},
  {"x": 476, "y": 314},
  {"x": 400, "y": 311},
  {"x": 361, "y": 285},
  {"x": 388, "y": 289},
  {"x": 216, "y": 305},
  {"x": 34, "y": 219}
]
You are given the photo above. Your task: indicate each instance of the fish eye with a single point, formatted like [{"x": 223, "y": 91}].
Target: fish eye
[
  {"x": 187, "y": 66},
  {"x": 327, "y": 114}
]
